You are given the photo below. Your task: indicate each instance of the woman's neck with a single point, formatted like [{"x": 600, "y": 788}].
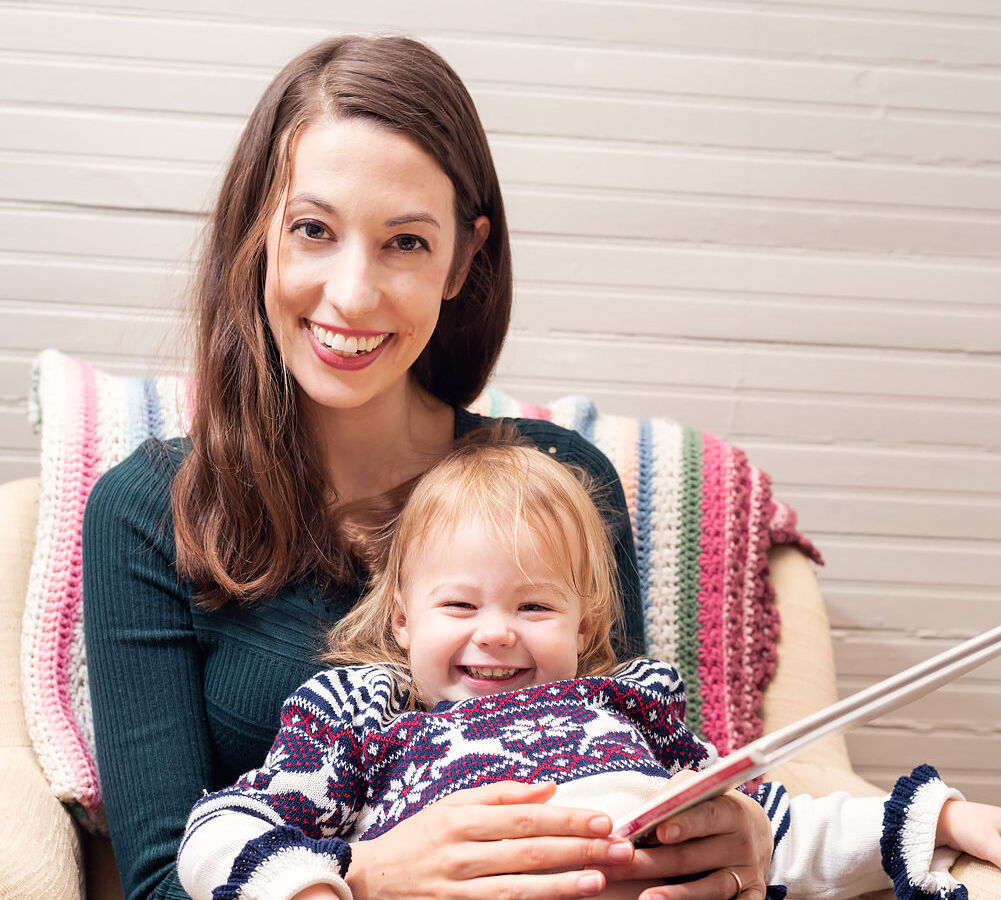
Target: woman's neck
[{"x": 371, "y": 449}]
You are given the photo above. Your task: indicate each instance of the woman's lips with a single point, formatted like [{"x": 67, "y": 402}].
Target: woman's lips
[{"x": 347, "y": 358}]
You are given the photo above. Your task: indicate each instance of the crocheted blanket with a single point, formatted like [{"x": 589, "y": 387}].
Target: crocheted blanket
[{"x": 702, "y": 516}]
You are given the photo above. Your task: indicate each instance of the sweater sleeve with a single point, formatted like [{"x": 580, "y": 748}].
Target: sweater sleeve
[
  {"x": 145, "y": 672},
  {"x": 841, "y": 846},
  {"x": 659, "y": 691},
  {"x": 284, "y": 826}
]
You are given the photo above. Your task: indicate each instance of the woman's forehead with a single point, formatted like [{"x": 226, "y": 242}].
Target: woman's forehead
[{"x": 337, "y": 161}]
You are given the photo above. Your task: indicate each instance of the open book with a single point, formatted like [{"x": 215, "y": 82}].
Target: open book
[{"x": 769, "y": 751}]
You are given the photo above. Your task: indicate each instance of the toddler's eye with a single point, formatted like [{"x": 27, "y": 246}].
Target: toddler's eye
[
  {"x": 456, "y": 604},
  {"x": 410, "y": 243},
  {"x": 535, "y": 607}
]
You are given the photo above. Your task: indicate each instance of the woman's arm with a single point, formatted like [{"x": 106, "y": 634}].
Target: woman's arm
[{"x": 145, "y": 673}]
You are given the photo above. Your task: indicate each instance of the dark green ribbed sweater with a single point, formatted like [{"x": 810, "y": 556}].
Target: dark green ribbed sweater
[{"x": 187, "y": 700}]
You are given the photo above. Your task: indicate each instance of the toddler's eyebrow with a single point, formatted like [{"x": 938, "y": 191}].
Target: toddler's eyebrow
[{"x": 550, "y": 587}]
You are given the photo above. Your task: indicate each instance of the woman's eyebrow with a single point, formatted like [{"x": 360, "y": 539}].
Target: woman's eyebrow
[
  {"x": 314, "y": 200},
  {"x": 413, "y": 217}
]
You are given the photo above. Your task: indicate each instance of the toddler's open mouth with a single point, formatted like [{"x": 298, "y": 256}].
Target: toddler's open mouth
[{"x": 484, "y": 673}]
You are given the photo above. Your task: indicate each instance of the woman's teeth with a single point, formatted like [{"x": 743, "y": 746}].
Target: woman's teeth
[
  {"x": 484, "y": 674},
  {"x": 343, "y": 345}
]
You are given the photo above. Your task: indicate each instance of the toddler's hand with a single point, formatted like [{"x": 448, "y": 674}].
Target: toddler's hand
[
  {"x": 317, "y": 892},
  {"x": 974, "y": 828}
]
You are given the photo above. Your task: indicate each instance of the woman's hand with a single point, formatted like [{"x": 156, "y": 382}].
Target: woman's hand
[
  {"x": 973, "y": 828},
  {"x": 731, "y": 832},
  {"x": 477, "y": 844}
]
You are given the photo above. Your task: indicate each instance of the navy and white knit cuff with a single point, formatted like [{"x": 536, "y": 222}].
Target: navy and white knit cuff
[
  {"x": 284, "y": 861},
  {"x": 910, "y": 820}
]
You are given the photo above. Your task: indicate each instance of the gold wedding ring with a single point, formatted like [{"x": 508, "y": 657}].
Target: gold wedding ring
[{"x": 740, "y": 884}]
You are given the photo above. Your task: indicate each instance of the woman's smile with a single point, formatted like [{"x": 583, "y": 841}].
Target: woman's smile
[
  {"x": 347, "y": 343},
  {"x": 346, "y": 349}
]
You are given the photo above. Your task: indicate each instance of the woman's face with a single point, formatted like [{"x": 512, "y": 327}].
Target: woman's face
[{"x": 358, "y": 258}]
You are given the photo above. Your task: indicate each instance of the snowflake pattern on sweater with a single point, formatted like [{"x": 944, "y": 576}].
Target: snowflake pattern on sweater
[
  {"x": 379, "y": 764},
  {"x": 351, "y": 762}
]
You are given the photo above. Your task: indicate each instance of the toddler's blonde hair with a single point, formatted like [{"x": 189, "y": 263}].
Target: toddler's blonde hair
[{"x": 509, "y": 486}]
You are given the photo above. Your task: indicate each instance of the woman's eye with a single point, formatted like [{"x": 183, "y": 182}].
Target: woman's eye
[
  {"x": 410, "y": 243},
  {"x": 314, "y": 231}
]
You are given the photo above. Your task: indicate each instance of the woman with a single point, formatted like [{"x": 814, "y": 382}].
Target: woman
[{"x": 354, "y": 292}]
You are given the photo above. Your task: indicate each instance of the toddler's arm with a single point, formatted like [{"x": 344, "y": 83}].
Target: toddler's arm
[
  {"x": 973, "y": 828},
  {"x": 841, "y": 846},
  {"x": 278, "y": 830}
]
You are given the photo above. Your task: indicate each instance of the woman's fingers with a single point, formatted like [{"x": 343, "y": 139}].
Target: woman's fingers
[
  {"x": 510, "y": 809},
  {"x": 437, "y": 879},
  {"x": 689, "y": 858},
  {"x": 721, "y": 815},
  {"x": 501, "y": 792},
  {"x": 469, "y": 860},
  {"x": 721, "y": 884},
  {"x": 562, "y": 886},
  {"x": 490, "y": 823}
]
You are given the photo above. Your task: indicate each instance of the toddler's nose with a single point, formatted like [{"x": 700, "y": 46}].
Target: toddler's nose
[{"x": 494, "y": 631}]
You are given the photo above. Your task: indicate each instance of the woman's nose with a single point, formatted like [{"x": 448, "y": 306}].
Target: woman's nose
[{"x": 352, "y": 284}]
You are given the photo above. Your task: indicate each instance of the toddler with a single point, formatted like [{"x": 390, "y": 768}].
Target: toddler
[{"x": 481, "y": 653}]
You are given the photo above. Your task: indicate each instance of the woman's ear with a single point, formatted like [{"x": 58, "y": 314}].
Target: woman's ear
[
  {"x": 481, "y": 231},
  {"x": 399, "y": 624}
]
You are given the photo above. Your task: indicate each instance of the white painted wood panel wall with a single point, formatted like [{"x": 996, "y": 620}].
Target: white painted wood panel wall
[{"x": 780, "y": 221}]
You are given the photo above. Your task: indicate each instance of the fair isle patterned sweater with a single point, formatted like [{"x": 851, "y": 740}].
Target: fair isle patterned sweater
[{"x": 349, "y": 763}]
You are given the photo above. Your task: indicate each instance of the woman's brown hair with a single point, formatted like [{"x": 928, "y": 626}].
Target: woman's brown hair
[
  {"x": 510, "y": 487},
  {"x": 251, "y": 504}
]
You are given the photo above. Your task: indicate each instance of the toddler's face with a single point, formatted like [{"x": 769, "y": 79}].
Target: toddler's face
[{"x": 477, "y": 622}]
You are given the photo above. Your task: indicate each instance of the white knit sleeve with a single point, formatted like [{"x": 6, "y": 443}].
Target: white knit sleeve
[{"x": 840, "y": 846}]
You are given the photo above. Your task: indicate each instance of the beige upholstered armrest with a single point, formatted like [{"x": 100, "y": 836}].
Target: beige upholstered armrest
[
  {"x": 804, "y": 682},
  {"x": 40, "y": 856},
  {"x": 804, "y": 677}
]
